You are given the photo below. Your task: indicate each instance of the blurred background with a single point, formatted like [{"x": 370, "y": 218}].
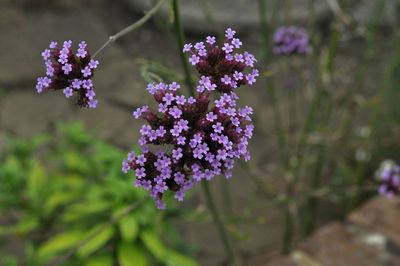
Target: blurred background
[{"x": 324, "y": 123}]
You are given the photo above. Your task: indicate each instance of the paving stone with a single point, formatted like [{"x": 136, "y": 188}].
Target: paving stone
[
  {"x": 381, "y": 215},
  {"x": 270, "y": 259},
  {"x": 27, "y": 113},
  {"x": 244, "y": 14},
  {"x": 240, "y": 14},
  {"x": 111, "y": 123},
  {"x": 120, "y": 81},
  {"x": 16, "y": 28},
  {"x": 334, "y": 245}
]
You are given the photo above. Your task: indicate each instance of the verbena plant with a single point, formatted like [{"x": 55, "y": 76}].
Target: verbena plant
[{"x": 65, "y": 197}]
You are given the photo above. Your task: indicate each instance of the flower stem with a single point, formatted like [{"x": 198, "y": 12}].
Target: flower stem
[
  {"x": 209, "y": 199},
  {"x": 131, "y": 27},
  {"x": 218, "y": 223},
  {"x": 180, "y": 41}
]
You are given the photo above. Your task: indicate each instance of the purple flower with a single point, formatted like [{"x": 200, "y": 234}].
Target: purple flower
[
  {"x": 211, "y": 116},
  {"x": 236, "y": 43},
  {"x": 92, "y": 103},
  {"x": 218, "y": 128},
  {"x": 68, "y": 92},
  {"x": 174, "y": 86},
  {"x": 177, "y": 154},
  {"x": 86, "y": 72},
  {"x": 175, "y": 112},
  {"x": 194, "y": 59},
  {"x": 93, "y": 64},
  {"x": 181, "y": 140},
  {"x": 180, "y": 100},
  {"x": 220, "y": 67},
  {"x": 227, "y": 48},
  {"x": 141, "y": 159},
  {"x": 168, "y": 98},
  {"x": 291, "y": 40},
  {"x": 46, "y": 54},
  {"x": 229, "y": 33},
  {"x": 87, "y": 84},
  {"x": 195, "y": 138},
  {"x": 140, "y": 173},
  {"x": 210, "y": 40},
  {"x": 187, "y": 47},
  {"x": 90, "y": 94},
  {"x": 389, "y": 177},
  {"x": 199, "y": 46},
  {"x": 64, "y": 70}
]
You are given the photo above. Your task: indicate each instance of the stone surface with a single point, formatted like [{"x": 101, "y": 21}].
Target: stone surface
[
  {"x": 239, "y": 14},
  {"x": 381, "y": 215},
  {"x": 120, "y": 81},
  {"x": 110, "y": 122},
  {"x": 334, "y": 245},
  {"x": 27, "y": 113},
  {"x": 366, "y": 9},
  {"x": 270, "y": 259},
  {"x": 16, "y": 28},
  {"x": 244, "y": 14}
]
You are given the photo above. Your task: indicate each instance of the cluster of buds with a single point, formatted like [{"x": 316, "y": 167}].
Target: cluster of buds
[
  {"x": 69, "y": 71},
  {"x": 389, "y": 177},
  {"x": 220, "y": 67},
  {"x": 191, "y": 139},
  {"x": 291, "y": 40}
]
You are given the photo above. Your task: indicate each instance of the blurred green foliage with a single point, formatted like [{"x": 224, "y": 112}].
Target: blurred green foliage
[{"x": 65, "y": 198}]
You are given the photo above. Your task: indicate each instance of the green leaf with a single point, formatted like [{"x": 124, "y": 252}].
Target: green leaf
[
  {"x": 75, "y": 162},
  {"x": 174, "y": 258},
  {"x": 128, "y": 227},
  {"x": 154, "y": 244},
  {"x": 97, "y": 241},
  {"x": 36, "y": 182},
  {"x": 59, "y": 243},
  {"x": 58, "y": 199},
  {"x": 100, "y": 260},
  {"x": 131, "y": 255},
  {"x": 26, "y": 225},
  {"x": 82, "y": 210},
  {"x": 11, "y": 166},
  {"x": 74, "y": 132}
]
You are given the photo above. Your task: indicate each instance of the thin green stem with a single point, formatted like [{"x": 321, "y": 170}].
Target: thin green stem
[
  {"x": 311, "y": 205},
  {"x": 130, "y": 28},
  {"x": 277, "y": 119},
  {"x": 289, "y": 230},
  {"x": 218, "y": 222},
  {"x": 180, "y": 41},
  {"x": 265, "y": 35}
]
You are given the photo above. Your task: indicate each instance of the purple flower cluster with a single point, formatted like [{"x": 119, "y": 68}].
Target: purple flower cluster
[
  {"x": 291, "y": 40},
  {"x": 389, "y": 176},
  {"x": 69, "y": 71},
  {"x": 220, "y": 67},
  {"x": 191, "y": 138}
]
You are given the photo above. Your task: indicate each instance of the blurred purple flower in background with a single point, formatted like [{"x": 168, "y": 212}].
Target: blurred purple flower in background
[
  {"x": 389, "y": 177},
  {"x": 70, "y": 72},
  {"x": 291, "y": 40}
]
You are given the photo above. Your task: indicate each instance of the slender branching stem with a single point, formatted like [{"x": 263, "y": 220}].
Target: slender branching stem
[
  {"x": 180, "y": 41},
  {"x": 130, "y": 28},
  {"x": 218, "y": 222}
]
